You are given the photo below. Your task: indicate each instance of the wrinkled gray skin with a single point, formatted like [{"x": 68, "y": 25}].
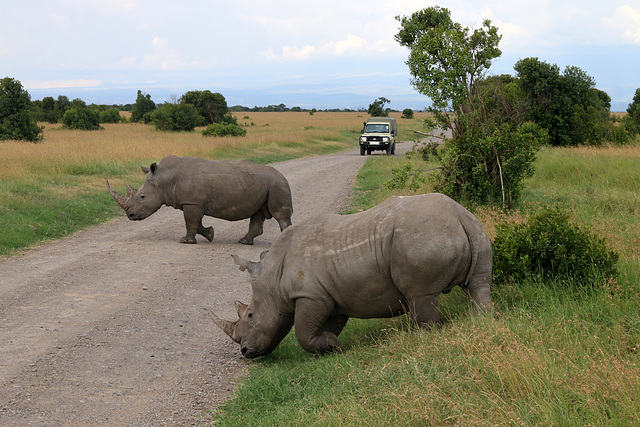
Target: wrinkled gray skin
[
  {"x": 395, "y": 258},
  {"x": 231, "y": 190}
]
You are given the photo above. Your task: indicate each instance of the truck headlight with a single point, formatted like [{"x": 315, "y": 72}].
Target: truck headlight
[
  {"x": 363, "y": 139},
  {"x": 385, "y": 139}
]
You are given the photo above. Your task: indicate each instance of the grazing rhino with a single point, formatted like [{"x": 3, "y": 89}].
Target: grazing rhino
[
  {"x": 231, "y": 190},
  {"x": 394, "y": 258}
]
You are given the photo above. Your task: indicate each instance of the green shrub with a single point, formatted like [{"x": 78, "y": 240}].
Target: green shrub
[
  {"x": 407, "y": 113},
  {"x": 171, "y": 117},
  {"x": 111, "y": 115},
  {"x": 224, "y": 129},
  {"x": 548, "y": 246},
  {"x": 82, "y": 118},
  {"x": 488, "y": 165}
]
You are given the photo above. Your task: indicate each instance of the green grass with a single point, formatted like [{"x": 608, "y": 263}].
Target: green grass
[{"x": 550, "y": 356}]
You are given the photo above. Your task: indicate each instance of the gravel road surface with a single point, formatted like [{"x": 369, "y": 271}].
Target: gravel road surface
[{"x": 107, "y": 327}]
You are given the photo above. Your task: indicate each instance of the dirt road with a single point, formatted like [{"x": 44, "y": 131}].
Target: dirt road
[{"x": 107, "y": 327}]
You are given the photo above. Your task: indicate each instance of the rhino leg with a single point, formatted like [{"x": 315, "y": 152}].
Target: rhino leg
[
  {"x": 206, "y": 232},
  {"x": 284, "y": 223},
  {"x": 193, "y": 221},
  {"x": 255, "y": 228},
  {"x": 479, "y": 290},
  {"x": 424, "y": 310},
  {"x": 316, "y": 331}
]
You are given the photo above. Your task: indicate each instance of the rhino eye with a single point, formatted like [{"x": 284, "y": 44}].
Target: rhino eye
[{"x": 250, "y": 315}]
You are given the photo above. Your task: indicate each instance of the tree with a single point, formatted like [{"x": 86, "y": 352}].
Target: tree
[
  {"x": 566, "y": 104},
  {"x": 447, "y": 61},
  {"x": 376, "y": 108},
  {"x": 212, "y": 107},
  {"x": 633, "y": 114},
  {"x": 15, "y": 118},
  {"x": 144, "y": 105},
  {"x": 407, "y": 113},
  {"x": 488, "y": 156}
]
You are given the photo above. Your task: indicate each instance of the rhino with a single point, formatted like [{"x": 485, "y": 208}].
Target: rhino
[
  {"x": 230, "y": 190},
  {"x": 394, "y": 258}
]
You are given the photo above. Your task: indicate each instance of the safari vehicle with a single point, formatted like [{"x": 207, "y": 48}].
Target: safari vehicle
[{"x": 379, "y": 133}]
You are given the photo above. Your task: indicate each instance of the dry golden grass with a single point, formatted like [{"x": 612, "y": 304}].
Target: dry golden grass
[{"x": 133, "y": 141}]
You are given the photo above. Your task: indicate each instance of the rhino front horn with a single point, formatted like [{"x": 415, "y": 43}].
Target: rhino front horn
[
  {"x": 119, "y": 198},
  {"x": 226, "y": 326}
]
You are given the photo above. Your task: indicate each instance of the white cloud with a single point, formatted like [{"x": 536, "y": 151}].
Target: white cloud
[
  {"x": 60, "y": 84},
  {"x": 625, "y": 23},
  {"x": 163, "y": 57}
]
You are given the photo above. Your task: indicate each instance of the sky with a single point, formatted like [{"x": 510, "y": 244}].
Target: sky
[{"x": 322, "y": 54}]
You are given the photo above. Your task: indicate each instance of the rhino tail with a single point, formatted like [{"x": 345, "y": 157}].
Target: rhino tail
[
  {"x": 475, "y": 231},
  {"x": 478, "y": 279}
]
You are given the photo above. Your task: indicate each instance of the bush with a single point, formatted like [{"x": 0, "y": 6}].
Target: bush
[
  {"x": 111, "y": 115},
  {"x": 180, "y": 117},
  {"x": 548, "y": 246},
  {"x": 82, "y": 118},
  {"x": 407, "y": 113},
  {"x": 224, "y": 129},
  {"x": 489, "y": 165}
]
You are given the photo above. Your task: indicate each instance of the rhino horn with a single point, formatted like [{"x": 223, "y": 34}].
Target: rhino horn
[
  {"x": 226, "y": 326},
  {"x": 119, "y": 198},
  {"x": 240, "y": 308},
  {"x": 131, "y": 191}
]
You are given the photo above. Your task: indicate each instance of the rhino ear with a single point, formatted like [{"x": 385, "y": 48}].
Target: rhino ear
[
  {"x": 253, "y": 267},
  {"x": 144, "y": 169},
  {"x": 263, "y": 254},
  {"x": 154, "y": 167}
]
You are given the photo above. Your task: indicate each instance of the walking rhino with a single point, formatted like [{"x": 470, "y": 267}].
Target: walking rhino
[
  {"x": 394, "y": 258},
  {"x": 231, "y": 190}
]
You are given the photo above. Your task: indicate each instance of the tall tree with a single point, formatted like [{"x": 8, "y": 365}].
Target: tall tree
[
  {"x": 447, "y": 60},
  {"x": 15, "y": 119},
  {"x": 487, "y": 158},
  {"x": 376, "y": 108},
  {"x": 566, "y": 104},
  {"x": 144, "y": 105}
]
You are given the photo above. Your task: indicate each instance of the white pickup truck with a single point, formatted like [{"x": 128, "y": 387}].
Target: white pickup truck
[{"x": 379, "y": 133}]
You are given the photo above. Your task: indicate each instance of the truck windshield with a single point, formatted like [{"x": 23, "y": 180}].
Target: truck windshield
[{"x": 377, "y": 128}]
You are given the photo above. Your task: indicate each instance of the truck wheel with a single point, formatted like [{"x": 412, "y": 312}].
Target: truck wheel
[
  {"x": 368, "y": 151},
  {"x": 362, "y": 150},
  {"x": 393, "y": 149},
  {"x": 388, "y": 150}
]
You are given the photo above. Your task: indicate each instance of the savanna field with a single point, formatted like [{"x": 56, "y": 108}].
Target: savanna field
[{"x": 551, "y": 355}]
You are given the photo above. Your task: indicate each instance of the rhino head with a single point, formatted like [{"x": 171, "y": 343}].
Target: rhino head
[
  {"x": 140, "y": 203},
  {"x": 261, "y": 325}
]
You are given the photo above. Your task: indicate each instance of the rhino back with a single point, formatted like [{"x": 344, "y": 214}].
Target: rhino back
[
  {"x": 368, "y": 262},
  {"x": 230, "y": 190}
]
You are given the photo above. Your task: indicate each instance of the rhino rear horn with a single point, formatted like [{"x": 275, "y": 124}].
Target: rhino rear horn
[
  {"x": 131, "y": 191},
  {"x": 226, "y": 326},
  {"x": 119, "y": 198}
]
